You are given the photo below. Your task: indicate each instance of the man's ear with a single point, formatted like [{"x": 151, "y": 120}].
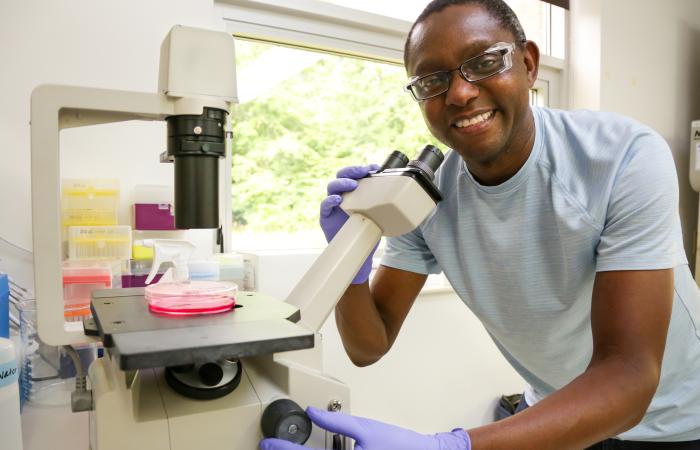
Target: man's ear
[{"x": 531, "y": 59}]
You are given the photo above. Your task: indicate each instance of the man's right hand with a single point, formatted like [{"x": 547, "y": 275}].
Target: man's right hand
[{"x": 333, "y": 217}]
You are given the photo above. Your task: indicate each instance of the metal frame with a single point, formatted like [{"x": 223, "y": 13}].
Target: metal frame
[{"x": 505, "y": 49}]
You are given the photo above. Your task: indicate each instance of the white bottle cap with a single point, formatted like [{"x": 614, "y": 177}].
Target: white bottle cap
[{"x": 170, "y": 250}]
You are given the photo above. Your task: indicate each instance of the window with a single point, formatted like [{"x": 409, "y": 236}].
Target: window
[
  {"x": 310, "y": 75},
  {"x": 302, "y": 116}
]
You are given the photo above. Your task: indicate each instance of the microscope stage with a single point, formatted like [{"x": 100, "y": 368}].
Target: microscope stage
[{"x": 141, "y": 339}]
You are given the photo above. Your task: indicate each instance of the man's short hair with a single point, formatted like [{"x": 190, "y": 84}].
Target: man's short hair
[{"x": 498, "y": 9}]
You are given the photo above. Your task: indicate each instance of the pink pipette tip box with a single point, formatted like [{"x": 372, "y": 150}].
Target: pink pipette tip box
[{"x": 153, "y": 216}]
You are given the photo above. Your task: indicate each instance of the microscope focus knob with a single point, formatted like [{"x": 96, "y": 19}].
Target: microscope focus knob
[
  {"x": 211, "y": 374},
  {"x": 284, "y": 419}
]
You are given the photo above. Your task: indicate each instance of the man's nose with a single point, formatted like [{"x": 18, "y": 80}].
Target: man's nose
[{"x": 460, "y": 90}]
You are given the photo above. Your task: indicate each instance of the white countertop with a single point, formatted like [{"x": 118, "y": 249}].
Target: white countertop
[{"x": 54, "y": 428}]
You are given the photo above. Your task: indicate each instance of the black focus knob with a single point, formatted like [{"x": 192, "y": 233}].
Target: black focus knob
[
  {"x": 211, "y": 374},
  {"x": 284, "y": 419},
  {"x": 182, "y": 368}
]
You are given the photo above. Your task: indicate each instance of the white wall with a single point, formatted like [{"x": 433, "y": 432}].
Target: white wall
[
  {"x": 641, "y": 58},
  {"x": 443, "y": 371}
]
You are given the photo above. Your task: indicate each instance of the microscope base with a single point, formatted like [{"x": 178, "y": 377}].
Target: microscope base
[{"x": 139, "y": 410}]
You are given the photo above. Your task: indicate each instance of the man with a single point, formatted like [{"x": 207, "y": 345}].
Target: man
[{"x": 559, "y": 230}]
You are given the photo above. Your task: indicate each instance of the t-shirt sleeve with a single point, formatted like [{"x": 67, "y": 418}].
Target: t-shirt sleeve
[
  {"x": 642, "y": 224},
  {"x": 410, "y": 252}
]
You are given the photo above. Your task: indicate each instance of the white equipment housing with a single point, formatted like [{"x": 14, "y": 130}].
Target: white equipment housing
[{"x": 694, "y": 176}]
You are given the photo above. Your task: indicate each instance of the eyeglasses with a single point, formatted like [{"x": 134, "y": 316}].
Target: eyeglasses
[{"x": 496, "y": 59}]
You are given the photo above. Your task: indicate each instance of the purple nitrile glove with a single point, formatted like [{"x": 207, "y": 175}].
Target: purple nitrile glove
[
  {"x": 333, "y": 218},
  {"x": 373, "y": 435}
]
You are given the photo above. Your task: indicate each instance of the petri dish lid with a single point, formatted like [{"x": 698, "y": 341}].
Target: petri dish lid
[{"x": 191, "y": 297}]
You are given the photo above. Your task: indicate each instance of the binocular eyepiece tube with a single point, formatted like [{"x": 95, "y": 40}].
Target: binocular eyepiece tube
[{"x": 428, "y": 161}]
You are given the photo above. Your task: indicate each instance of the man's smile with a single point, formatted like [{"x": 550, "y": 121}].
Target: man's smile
[{"x": 474, "y": 122}]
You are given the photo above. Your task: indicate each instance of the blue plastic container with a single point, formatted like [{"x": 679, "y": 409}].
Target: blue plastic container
[{"x": 4, "y": 306}]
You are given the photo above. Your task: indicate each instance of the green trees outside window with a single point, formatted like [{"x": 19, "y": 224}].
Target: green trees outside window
[{"x": 304, "y": 115}]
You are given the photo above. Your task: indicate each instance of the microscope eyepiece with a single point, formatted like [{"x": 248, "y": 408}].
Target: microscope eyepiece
[
  {"x": 396, "y": 160},
  {"x": 428, "y": 160}
]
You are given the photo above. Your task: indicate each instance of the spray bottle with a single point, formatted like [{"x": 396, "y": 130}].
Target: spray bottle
[
  {"x": 170, "y": 250},
  {"x": 175, "y": 294}
]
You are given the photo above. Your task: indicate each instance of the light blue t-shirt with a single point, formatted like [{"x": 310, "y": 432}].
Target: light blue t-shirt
[{"x": 599, "y": 192}]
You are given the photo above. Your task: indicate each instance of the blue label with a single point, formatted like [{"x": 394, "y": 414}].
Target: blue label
[{"x": 9, "y": 372}]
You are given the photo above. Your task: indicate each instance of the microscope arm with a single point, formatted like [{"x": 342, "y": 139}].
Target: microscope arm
[
  {"x": 381, "y": 205},
  {"x": 330, "y": 275},
  {"x": 54, "y": 108}
]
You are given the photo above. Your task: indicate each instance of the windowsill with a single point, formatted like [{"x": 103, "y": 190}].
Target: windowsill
[
  {"x": 432, "y": 291},
  {"x": 436, "y": 285}
]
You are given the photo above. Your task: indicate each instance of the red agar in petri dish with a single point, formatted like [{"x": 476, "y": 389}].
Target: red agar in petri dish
[{"x": 191, "y": 297}]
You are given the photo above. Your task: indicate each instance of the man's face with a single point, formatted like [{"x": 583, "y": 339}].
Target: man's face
[{"x": 498, "y": 138}]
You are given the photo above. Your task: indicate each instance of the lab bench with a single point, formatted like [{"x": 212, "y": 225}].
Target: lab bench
[{"x": 54, "y": 428}]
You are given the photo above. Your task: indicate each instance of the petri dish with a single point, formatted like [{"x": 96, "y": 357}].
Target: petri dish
[{"x": 191, "y": 297}]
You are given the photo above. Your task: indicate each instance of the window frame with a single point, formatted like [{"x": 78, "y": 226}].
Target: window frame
[
  {"x": 317, "y": 25},
  {"x": 321, "y": 26}
]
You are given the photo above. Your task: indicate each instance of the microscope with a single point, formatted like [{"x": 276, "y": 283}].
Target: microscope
[{"x": 220, "y": 381}]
